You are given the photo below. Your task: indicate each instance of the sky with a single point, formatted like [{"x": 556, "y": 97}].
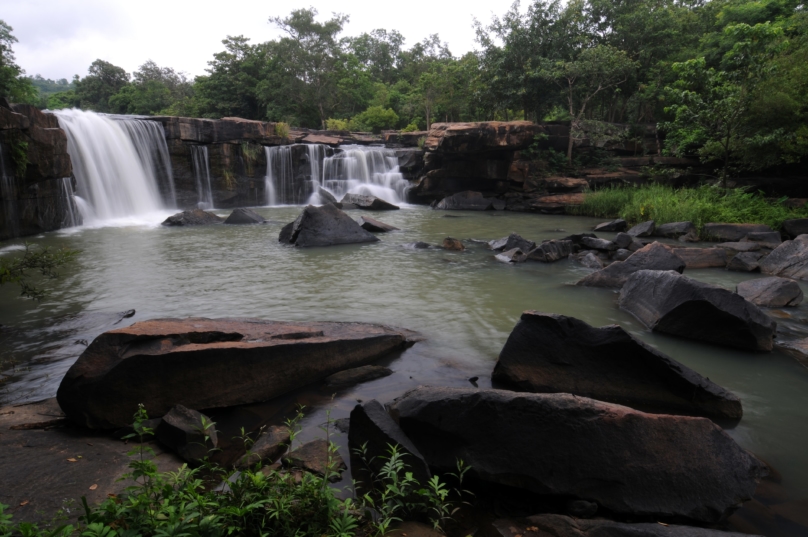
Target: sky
[{"x": 60, "y": 38}]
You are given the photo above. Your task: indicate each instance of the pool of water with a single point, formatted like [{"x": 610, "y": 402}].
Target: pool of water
[{"x": 464, "y": 304}]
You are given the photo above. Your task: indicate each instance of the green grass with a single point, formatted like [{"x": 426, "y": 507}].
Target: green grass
[{"x": 700, "y": 205}]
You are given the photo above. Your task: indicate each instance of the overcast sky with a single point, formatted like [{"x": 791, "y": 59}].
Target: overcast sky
[{"x": 60, "y": 38}]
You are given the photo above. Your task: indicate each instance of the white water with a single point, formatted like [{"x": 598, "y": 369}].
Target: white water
[
  {"x": 200, "y": 163},
  {"x": 280, "y": 175},
  {"x": 72, "y": 214},
  {"x": 115, "y": 161}
]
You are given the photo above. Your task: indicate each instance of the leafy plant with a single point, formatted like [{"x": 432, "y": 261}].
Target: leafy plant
[
  {"x": 45, "y": 261},
  {"x": 282, "y": 129}
]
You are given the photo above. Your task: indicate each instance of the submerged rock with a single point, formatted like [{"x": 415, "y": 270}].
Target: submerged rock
[
  {"x": 196, "y": 217},
  {"x": 614, "y": 225},
  {"x": 211, "y": 363},
  {"x": 244, "y": 216},
  {"x": 469, "y": 201},
  {"x": 627, "y": 461},
  {"x": 551, "y": 251},
  {"x": 188, "y": 433},
  {"x": 789, "y": 260},
  {"x": 371, "y": 224},
  {"x": 666, "y": 301},
  {"x": 369, "y": 203},
  {"x": 771, "y": 292},
  {"x": 324, "y": 226},
  {"x": 453, "y": 244},
  {"x": 655, "y": 256},
  {"x": 417, "y": 245},
  {"x": 548, "y": 353},
  {"x": 564, "y": 526}
]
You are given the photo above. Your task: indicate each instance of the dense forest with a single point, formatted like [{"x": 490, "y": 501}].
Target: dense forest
[{"x": 724, "y": 79}]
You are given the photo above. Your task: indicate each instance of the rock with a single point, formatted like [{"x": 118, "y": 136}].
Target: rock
[
  {"x": 645, "y": 229},
  {"x": 514, "y": 255},
  {"x": 702, "y": 257},
  {"x": 478, "y": 137},
  {"x": 614, "y": 225},
  {"x": 324, "y": 226},
  {"x": 466, "y": 201},
  {"x": 795, "y": 227},
  {"x": 244, "y": 216},
  {"x": 417, "y": 245},
  {"x": 789, "y": 260},
  {"x": 514, "y": 240},
  {"x": 766, "y": 239},
  {"x": 582, "y": 508},
  {"x": 740, "y": 246},
  {"x": 598, "y": 244},
  {"x": 655, "y": 256},
  {"x": 797, "y": 348},
  {"x": 564, "y": 526},
  {"x": 196, "y": 217},
  {"x": 623, "y": 240},
  {"x": 772, "y": 292},
  {"x": 637, "y": 245},
  {"x": 731, "y": 232},
  {"x": 621, "y": 254},
  {"x": 627, "y": 461},
  {"x": 372, "y": 427},
  {"x": 674, "y": 230},
  {"x": 576, "y": 238},
  {"x": 371, "y": 224},
  {"x": 313, "y": 457},
  {"x": 268, "y": 448},
  {"x": 369, "y": 203},
  {"x": 188, "y": 433},
  {"x": 590, "y": 260},
  {"x": 452, "y": 244},
  {"x": 745, "y": 262},
  {"x": 666, "y": 301},
  {"x": 357, "y": 375},
  {"x": 498, "y": 244},
  {"x": 548, "y": 353},
  {"x": 551, "y": 251},
  {"x": 326, "y": 197},
  {"x": 211, "y": 363}
]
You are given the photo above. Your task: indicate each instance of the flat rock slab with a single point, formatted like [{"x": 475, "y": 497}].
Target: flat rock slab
[
  {"x": 561, "y": 445},
  {"x": 368, "y": 203},
  {"x": 771, "y": 292},
  {"x": 242, "y": 216},
  {"x": 212, "y": 363},
  {"x": 314, "y": 457},
  {"x": 654, "y": 256},
  {"x": 196, "y": 217},
  {"x": 324, "y": 226},
  {"x": 789, "y": 260},
  {"x": 731, "y": 232},
  {"x": 702, "y": 257},
  {"x": 548, "y": 353},
  {"x": 376, "y": 226},
  {"x": 666, "y": 301},
  {"x": 36, "y": 463}
]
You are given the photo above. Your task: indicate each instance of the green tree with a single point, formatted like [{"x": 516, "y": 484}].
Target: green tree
[
  {"x": 13, "y": 84},
  {"x": 103, "y": 81},
  {"x": 154, "y": 90}
]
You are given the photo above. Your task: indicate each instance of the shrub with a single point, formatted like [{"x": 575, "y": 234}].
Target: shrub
[
  {"x": 375, "y": 118},
  {"x": 336, "y": 124},
  {"x": 282, "y": 129},
  {"x": 412, "y": 127}
]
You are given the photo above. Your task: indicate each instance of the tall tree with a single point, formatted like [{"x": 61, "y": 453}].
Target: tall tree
[
  {"x": 103, "y": 81},
  {"x": 13, "y": 84}
]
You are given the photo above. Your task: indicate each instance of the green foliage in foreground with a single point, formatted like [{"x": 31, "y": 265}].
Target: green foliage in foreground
[
  {"x": 255, "y": 502},
  {"x": 699, "y": 205},
  {"x": 18, "y": 269}
]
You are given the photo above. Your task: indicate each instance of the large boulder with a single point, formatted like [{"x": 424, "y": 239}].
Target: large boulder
[
  {"x": 745, "y": 262},
  {"x": 244, "y": 216},
  {"x": 468, "y": 201},
  {"x": 702, "y": 257},
  {"x": 187, "y": 433},
  {"x": 731, "y": 232},
  {"x": 564, "y": 526},
  {"x": 666, "y": 301},
  {"x": 627, "y": 461},
  {"x": 551, "y": 251},
  {"x": 211, "y": 363},
  {"x": 654, "y": 256},
  {"x": 196, "y": 217},
  {"x": 324, "y": 226},
  {"x": 795, "y": 227},
  {"x": 548, "y": 353},
  {"x": 644, "y": 229},
  {"x": 771, "y": 292},
  {"x": 368, "y": 203},
  {"x": 789, "y": 260}
]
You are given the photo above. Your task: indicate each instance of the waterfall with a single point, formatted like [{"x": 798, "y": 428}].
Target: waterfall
[
  {"x": 72, "y": 216},
  {"x": 8, "y": 195},
  {"x": 116, "y": 161},
  {"x": 280, "y": 175},
  {"x": 201, "y": 167}
]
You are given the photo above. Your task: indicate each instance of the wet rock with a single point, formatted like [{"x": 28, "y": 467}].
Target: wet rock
[
  {"x": 244, "y": 216},
  {"x": 313, "y": 457},
  {"x": 598, "y": 244},
  {"x": 645, "y": 229},
  {"x": 196, "y": 217},
  {"x": 795, "y": 227},
  {"x": 766, "y": 239},
  {"x": 666, "y": 301},
  {"x": 614, "y": 225},
  {"x": 371, "y": 224},
  {"x": 797, "y": 348},
  {"x": 637, "y": 245},
  {"x": 621, "y": 254},
  {"x": 467, "y": 201},
  {"x": 452, "y": 244},
  {"x": 745, "y": 262},
  {"x": 771, "y": 292},
  {"x": 417, "y": 245},
  {"x": 702, "y": 257},
  {"x": 732, "y": 232},
  {"x": 514, "y": 240},
  {"x": 789, "y": 260},
  {"x": 188, "y": 433},
  {"x": 327, "y": 197},
  {"x": 357, "y": 375},
  {"x": 740, "y": 246},
  {"x": 590, "y": 260},
  {"x": 623, "y": 240},
  {"x": 372, "y": 427},
  {"x": 548, "y": 353},
  {"x": 655, "y": 256},
  {"x": 551, "y": 251},
  {"x": 576, "y": 238},
  {"x": 627, "y": 461},
  {"x": 211, "y": 363},
  {"x": 582, "y": 508},
  {"x": 268, "y": 448},
  {"x": 324, "y": 226},
  {"x": 514, "y": 255},
  {"x": 675, "y": 230},
  {"x": 369, "y": 203},
  {"x": 564, "y": 526}
]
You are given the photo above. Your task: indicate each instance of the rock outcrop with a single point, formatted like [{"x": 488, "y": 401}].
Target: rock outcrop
[
  {"x": 211, "y": 363},
  {"x": 666, "y": 301},
  {"x": 771, "y": 292},
  {"x": 195, "y": 217},
  {"x": 627, "y": 461},
  {"x": 324, "y": 226},
  {"x": 655, "y": 256},
  {"x": 548, "y": 353}
]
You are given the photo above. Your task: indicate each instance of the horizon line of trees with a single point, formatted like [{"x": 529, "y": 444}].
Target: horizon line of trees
[{"x": 726, "y": 80}]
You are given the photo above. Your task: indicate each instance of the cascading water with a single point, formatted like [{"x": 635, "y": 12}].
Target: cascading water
[
  {"x": 201, "y": 167},
  {"x": 117, "y": 161},
  {"x": 72, "y": 216},
  {"x": 8, "y": 195},
  {"x": 279, "y": 180}
]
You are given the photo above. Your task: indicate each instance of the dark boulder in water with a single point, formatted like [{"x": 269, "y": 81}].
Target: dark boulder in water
[
  {"x": 469, "y": 201},
  {"x": 655, "y": 256},
  {"x": 551, "y": 251},
  {"x": 771, "y": 292},
  {"x": 195, "y": 217},
  {"x": 368, "y": 203},
  {"x": 371, "y": 224},
  {"x": 324, "y": 226},
  {"x": 244, "y": 216}
]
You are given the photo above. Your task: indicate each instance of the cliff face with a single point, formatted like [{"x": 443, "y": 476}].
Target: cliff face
[{"x": 33, "y": 169}]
